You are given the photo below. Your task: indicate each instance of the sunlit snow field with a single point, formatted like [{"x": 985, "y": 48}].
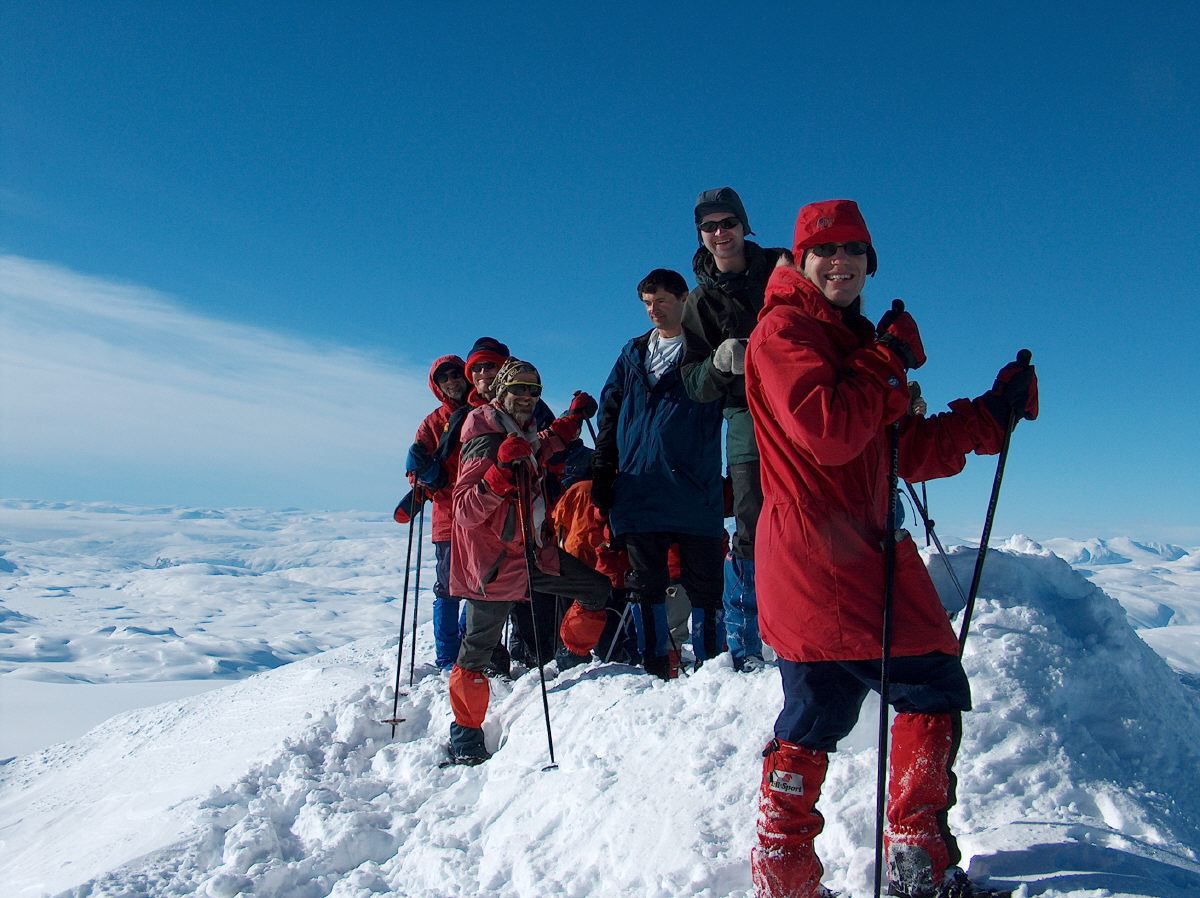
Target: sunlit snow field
[{"x": 248, "y": 657}]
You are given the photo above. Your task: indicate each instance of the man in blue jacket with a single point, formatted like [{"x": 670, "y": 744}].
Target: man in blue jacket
[{"x": 656, "y": 473}]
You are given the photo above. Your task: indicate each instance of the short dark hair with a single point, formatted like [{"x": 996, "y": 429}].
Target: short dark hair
[{"x": 665, "y": 278}]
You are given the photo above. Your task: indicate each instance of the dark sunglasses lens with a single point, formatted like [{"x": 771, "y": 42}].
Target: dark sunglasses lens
[
  {"x": 825, "y": 250},
  {"x": 725, "y": 224},
  {"x": 525, "y": 390}
]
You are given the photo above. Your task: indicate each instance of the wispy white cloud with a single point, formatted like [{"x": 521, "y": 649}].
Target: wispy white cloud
[{"x": 115, "y": 391}]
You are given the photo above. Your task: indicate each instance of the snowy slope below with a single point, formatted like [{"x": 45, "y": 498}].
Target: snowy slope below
[{"x": 1077, "y": 772}]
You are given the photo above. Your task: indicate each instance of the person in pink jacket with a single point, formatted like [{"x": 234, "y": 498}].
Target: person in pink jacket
[
  {"x": 504, "y": 542},
  {"x": 824, "y": 386}
]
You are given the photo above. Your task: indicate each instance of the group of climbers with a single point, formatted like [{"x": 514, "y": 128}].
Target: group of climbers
[{"x": 817, "y": 403}]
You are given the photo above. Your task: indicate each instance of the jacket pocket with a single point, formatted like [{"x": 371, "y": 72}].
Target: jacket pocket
[{"x": 490, "y": 573}]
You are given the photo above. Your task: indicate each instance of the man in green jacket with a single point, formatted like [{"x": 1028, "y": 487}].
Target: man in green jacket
[{"x": 731, "y": 275}]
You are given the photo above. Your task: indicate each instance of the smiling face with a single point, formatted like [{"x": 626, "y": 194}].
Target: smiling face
[
  {"x": 482, "y": 375},
  {"x": 665, "y": 310},
  {"x": 727, "y": 245},
  {"x": 452, "y": 383},
  {"x": 521, "y": 406},
  {"x": 840, "y": 276}
]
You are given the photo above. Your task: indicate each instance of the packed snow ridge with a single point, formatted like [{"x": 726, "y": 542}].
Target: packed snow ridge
[{"x": 1077, "y": 775}]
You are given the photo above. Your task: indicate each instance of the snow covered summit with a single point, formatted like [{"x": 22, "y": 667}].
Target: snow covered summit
[{"x": 1076, "y": 776}]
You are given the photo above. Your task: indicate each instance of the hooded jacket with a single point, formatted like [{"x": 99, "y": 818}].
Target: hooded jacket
[
  {"x": 429, "y": 435},
  {"x": 822, "y": 394},
  {"x": 666, "y": 448},
  {"x": 582, "y": 531},
  {"x": 488, "y": 561},
  {"x": 721, "y": 306}
]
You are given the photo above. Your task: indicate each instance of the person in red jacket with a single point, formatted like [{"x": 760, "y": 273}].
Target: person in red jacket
[
  {"x": 824, "y": 386},
  {"x": 504, "y": 542},
  {"x": 435, "y": 477}
]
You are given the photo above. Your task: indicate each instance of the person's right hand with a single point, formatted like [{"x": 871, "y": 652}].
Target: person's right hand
[
  {"x": 513, "y": 451},
  {"x": 898, "y": 332},
  {"x": 730, "y": 356}
]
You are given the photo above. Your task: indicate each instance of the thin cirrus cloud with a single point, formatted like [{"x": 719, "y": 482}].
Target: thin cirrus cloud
[{"x": 114, "y": 391}]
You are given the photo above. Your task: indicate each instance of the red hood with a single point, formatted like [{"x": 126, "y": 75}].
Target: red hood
[{"x": 441, "y": 397}]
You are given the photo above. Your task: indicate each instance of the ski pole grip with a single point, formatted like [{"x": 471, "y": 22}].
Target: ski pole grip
[
  {"x": 1024, "y": 357},
  {"x": 897, "y": 306}
]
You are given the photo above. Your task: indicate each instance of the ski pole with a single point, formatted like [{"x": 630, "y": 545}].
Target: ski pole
[
  {"x": 923, "y": 511},
  {"x": 591, "y": 430},
  {"x": 1024, "y": 356},
  {"x": 924, "y": 514},
  {"x": 889, "y": 578},
  {"x": 524, "y": 489},
  {"x": 394, "y": 719},
  {"x": 619, "y": 632},
  {"x": 418, "y": 495}
]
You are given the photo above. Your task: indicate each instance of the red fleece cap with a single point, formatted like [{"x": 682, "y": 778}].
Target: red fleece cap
[{"x": 830, "y": 221}]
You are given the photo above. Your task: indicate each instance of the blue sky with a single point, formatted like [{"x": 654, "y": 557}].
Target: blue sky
[{"x": 235, "y": 234}]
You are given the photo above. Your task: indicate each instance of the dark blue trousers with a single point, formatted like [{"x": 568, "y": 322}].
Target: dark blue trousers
[{"x": 822, "y": 699}]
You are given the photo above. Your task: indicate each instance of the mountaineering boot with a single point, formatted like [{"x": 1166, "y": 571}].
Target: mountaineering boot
[
  {"x": 783, "y": 864},
  {"x": 917, "y": 842},
  {"x": 467, "y": 746},
  {"x": 499, "y": 667},
  {"x": 741, "y": 613},
  {"x": 956, "y": 885},
  {"x": 566, "y": 659}
]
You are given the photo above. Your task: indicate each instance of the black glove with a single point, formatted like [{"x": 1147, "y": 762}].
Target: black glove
[
  {"x": 603, "y": 489},
  {"x": 1015, "y": 392}
]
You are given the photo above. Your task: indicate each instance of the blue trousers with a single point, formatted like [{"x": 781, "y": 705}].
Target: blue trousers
[
  {"x": 741, "y": 610},
  {"x": 447, "y": 628},
  {"x": 822, "y": 699}
]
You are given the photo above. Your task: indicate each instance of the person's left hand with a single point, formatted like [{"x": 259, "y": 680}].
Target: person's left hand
[
  {"x": 582, "y": 406},
  {"x": 1015, "y": 391}
]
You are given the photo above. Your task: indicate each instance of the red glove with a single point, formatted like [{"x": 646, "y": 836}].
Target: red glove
[
  {"x": 1015, "y": 391},
  {"x": 513, "y": 450},
  {"x": 582, "y": 406},
  {"x": 499, "y": 479},
  {"x": 898, "y": 332},
  {"x": 567, "y": 427}
]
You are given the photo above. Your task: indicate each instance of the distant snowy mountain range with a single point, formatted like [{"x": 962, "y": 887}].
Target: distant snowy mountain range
[{"x": 193, "y": 698}]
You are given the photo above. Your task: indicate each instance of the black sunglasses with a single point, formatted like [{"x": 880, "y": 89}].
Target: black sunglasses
[
  {"x": 853, "y": 248},
  {"x": 533, "y": 391},
  {"x": 725, "y": 224}
]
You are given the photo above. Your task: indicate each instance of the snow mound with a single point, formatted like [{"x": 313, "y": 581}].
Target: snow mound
[{"x": 1076, "y": 775}]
